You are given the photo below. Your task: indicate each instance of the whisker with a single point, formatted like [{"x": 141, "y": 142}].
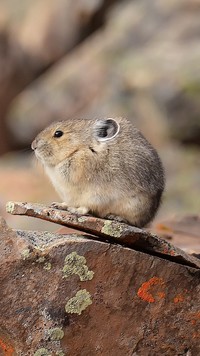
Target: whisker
[{"x": 25, "y": 150}]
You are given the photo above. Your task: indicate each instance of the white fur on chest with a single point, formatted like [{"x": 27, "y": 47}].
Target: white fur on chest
[
  {"x": 74, "y": 195},
  {"x": 66, "y": 190}
]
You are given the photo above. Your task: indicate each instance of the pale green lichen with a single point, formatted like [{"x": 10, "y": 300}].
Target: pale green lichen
[
  {"x": 108, "y": 229},
  {"x": 47, "y": 266},
  {"x": 79, "y": 302},
  {"x": 10, "y": 207},
  {"x": 76, "y": 264},
  {"x": 56, "y": 334},
  {"x": 82, "y": 219},
  {"x": 42, "y": 352},
  {"x": 25, "y": 253},
  {"x": 60, "y": 353}
]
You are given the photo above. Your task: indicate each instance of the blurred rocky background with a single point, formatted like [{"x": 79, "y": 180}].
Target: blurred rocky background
[{"x": 93, "y": 58}]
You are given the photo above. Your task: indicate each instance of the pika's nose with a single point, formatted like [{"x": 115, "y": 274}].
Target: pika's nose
[{"x": 34, "y": 145}]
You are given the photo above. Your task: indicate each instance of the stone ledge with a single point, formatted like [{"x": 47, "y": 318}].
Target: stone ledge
[{"x": 70, "y": 295}]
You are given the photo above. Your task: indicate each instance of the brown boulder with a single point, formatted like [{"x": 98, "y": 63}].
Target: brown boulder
[{"x": 68, "y": 295}]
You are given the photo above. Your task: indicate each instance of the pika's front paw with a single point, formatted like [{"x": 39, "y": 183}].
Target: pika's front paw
[
  {"x": 82, "y": 210},
  {"x": 61, "y": 206}
]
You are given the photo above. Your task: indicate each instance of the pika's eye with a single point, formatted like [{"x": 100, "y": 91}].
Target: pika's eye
[{"x": 58, "y": 133}]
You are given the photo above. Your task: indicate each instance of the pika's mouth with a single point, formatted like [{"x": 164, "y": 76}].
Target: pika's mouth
[
  {"x": 38, "y": 153},
  {"x": 42, "y": 150}
]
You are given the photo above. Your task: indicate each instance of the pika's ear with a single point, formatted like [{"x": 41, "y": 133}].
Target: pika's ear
[{"x": 106, "y": 129}]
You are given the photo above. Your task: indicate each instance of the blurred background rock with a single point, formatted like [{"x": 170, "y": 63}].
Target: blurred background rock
[{"x": 93, "y": 58}]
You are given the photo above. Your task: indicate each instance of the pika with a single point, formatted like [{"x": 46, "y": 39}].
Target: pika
[{"x": 105, "y": 167}]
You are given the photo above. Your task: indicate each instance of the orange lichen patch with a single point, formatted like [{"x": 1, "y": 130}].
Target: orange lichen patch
[
  {"x": 161, "y": 295},
  {"x": 148, "y": 290},
  {"x": 178, "y": 298},
  {"x": 167, "y": 251},
  {"x": 8, "y": 350},
  {"x": 195, "y": 318}
]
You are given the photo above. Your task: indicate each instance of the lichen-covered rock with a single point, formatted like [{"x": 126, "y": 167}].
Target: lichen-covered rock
[{"x": 131, "y": 303}]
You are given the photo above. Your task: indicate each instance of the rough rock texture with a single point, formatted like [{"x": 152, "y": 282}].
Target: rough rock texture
[
  {"x": 106, "y": 230},
  {"x": 67, "y": 295}
]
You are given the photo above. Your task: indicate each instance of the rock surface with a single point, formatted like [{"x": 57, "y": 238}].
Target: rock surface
[
  {"x": 69, "y": 295},
  {"x": 106, "y": 231}
]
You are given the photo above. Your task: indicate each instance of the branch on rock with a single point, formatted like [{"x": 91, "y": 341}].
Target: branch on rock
[{"x": 107, "y": 231}]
